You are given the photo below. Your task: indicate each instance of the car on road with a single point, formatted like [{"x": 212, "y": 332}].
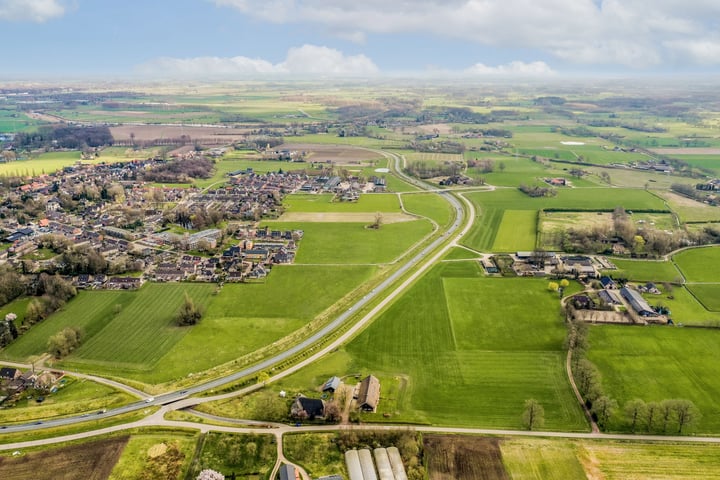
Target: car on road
[{"x": 149, "y": 399}]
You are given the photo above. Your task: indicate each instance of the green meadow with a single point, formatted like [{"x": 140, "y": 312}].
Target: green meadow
[
  {"x": 644, "y": 270},
  {"x": 697, "y": 264},
  {"x": 454, "y": 351},
  {"x": 517, "y": 232},
  {"x": 376, "y": 202},
  {"x": 657, "y": 363}
]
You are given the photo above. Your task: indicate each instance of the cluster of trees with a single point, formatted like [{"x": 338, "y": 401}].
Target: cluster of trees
[
  {"x": 11, "y": 284},
  {"x": 533, "y": 416},
  {"x": 189, "y": 313},
  {"x": 8, "y": 331},
  {"x": 442, "y": 146},
  {"x": 537, "y": 190},
  {"x": 423, "y": 169},
  {"x": 486, "y": 165},
  {"x": 695, "y": 193},
  {"x": 64, "y": 342},
  {"x": 66, "y": 136},
  {"x": 51, "y": 292},
  {"x": 180, "y": 171},
  {"x": 261, "y": 143}
]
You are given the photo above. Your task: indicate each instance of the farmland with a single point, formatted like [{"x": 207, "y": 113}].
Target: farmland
[
  {"x": 516, "y": 232},
  {"x": 449, "y": 351},
  {"x": 659, "y": 363},
  {"x": 95, "y": 459},
  {"x": 248, "y": 456},
  {"x": 429, "y": 205},
  {"x": 155, "y": 454},
  {"x": 354, "y": 243},
  {"x": 459, "y": 458},
  {"x": 694, "y": 264},
  {"x": 645, "y": 270},
  {"x": 324, "y": 203}
]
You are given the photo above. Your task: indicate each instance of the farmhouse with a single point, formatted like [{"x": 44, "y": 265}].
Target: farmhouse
[
  {"x": 637, "y": 302},
  {"x": 369, "y": 394},
  {"x": 607, "y": 283},
  {"x": 489, "y": 265},
  {"x": 312, "y": 407},
  {"x": 609, "y": 297}
]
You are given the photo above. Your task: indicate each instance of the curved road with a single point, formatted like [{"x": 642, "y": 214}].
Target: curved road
[{"x": 306, "y": 344}]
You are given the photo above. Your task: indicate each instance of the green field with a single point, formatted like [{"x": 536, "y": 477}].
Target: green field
[
  {"x": 354, "y": 243},
  {"x": 658, "y": 363},
  {"x": 453, "y": 351},
  {"x": 644, "y": 270},
  {"x": 430, "y": 205},
  {"x": 697, "y": 264},
  {"x": 532, "y": 459},
  {"x": 707, "y": 294},
  {"x": 136, "y": 463},
  {"x": 517, "y": 231},
  {"x": 375, "y": 202},
  {"x": 142, "y": 319},
  {"x": 484, "y": 230},
  {"x": 592, "y": 199},
  {"x": 248, "y": 456}
]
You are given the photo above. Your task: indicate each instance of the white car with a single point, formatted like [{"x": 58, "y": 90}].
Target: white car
[{"x": 149, "y": 399}]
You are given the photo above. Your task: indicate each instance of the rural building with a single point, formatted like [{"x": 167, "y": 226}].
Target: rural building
[
  {"x": 382, "y": 462},
  {"x": 609, "y": 298},
  {"x": 352, "y": 461},
  {"x": 7, "y": 373},
  {"x": 637, "y": 302},
  {"x": 313, "y": 407},
  {"x": 489, "y": 265},
  {"x": 396, "y": 463},
  {"x": 366, "y": 464},
  {"x": 287, "y": 472},
  {"x": 331, "y": 385},
  {"x": 607, "y": 283},
  {"x": 369, "y": 394}
]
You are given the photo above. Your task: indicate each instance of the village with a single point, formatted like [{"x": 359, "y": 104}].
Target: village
[{"x": 143, "y": 231}]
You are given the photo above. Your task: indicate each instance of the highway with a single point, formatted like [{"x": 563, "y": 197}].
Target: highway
[{"x": 377, "y": 292}]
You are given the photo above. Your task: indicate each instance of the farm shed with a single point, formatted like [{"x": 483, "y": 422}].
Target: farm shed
[
  {"x": 287, "y": 472},
  {"x": 369, "y": 394},
  {"x": 382, "y": 462},
  {"x": 637, "y": 302},
  {"x": 489, "y": 265},
  {"x": 396, "y": 463},
  {"x": 331, "y": 385},
  {"x": 352, "y": 460},
  {"x": 367, "y": 465}
]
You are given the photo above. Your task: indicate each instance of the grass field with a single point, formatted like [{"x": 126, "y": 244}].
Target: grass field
[
  {"x": 591, "y": 199},
  {"x": 644, "y": 270},
  {"x": 18, "y": 307},
  {"x": 318, "y": 453},
  {"x": 658, "y": 363},
  {"x": 695, "y": 263},
  {"x": 244, "y": 318},
  {"x": 542, "y": 459},
  {"x": 689, "y": 210},
  {"x": 707, "y": 294},
  {"x": 248, "y": 456},
  {"x": 430, "y": 205},
  {"x": 484, "y": 230},
  {"x": 140, "y": 459},
  {"x": 142, "y": 319},
  {"x": 376, "y": 202},
  {"x": 452, "y": 335},
  {"x": 94, "y": 459},
  {"x": 353, "y": 243},
  {"x": 517, "y": 231}
]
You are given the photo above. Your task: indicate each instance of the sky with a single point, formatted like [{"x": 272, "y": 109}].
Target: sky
[{"x": 237, "y": 39}]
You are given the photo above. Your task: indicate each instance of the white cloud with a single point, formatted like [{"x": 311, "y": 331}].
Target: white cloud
[
  {"x": 627, "y": 32},
  {"x": 516, "y": 68},
  {"x": 307, "y": 60},
  {"x": 30, "y": 10}
]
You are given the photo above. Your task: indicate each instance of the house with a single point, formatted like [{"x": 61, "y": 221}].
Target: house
[
  {"x": 369, "y": 394},
  {"x": 583, "y": 302},
  {"x": 287, "y": 472},
  {"x": 7, "y": 373},
  {"x": 332, "y": 384},
  {"x": 637, "y": 302},
  {"x": 607, "y": 283},
  {"x": 313, "y": 407}
]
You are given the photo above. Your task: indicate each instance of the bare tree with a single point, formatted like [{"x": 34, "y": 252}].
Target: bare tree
[{"x": 534, "y": 414}]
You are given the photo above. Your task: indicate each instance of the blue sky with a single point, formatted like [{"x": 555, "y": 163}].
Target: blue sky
[{"x": 278, "y": 38}]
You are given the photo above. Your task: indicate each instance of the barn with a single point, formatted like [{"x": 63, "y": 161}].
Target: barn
[
  {"x": 637, "y": 302},
  {"x": 369, "y": 394}
]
